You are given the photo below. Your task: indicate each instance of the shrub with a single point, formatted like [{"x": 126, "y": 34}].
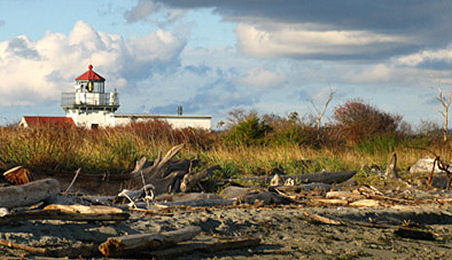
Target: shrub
[
  {"x": 249, "y": 131},
  {"x": 357, "y": 121},
  {"x": 291, "y": 131}
]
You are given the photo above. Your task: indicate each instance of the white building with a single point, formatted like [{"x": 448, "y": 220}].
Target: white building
[{"x": 89, "y": 105}]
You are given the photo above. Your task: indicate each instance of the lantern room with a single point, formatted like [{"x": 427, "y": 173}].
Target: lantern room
[{"x": 90, "y": 82}]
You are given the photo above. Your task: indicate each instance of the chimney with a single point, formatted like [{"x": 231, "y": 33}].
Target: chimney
[{"x": 179, "y": 110}]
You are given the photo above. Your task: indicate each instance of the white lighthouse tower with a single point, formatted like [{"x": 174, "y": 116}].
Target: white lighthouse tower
[{"x": 89, "y": 105}]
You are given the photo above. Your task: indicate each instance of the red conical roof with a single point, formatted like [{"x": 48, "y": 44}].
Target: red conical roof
[{"x": 90, "y": 75}]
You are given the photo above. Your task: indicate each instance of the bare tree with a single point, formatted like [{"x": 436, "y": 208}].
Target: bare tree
[
  {"x": 320, "y": 113},
  {"x": 445, "y": 102}
]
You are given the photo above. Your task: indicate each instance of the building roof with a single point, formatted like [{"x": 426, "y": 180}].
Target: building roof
[
  {"x": 90, "y": 75},
  {"x": 163, "y": 116},
  {"x": 49, "y": 120}
]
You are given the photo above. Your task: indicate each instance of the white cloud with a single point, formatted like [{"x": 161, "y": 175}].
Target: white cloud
[
  {"x": 269, "y": 40},
  {"x": 426, "y": 56},
  {"x": 262, "y": 78},
  {"x": 35, "y": 71}
]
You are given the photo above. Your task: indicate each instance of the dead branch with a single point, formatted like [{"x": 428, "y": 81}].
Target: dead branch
[
  {"x": 321, "y": 113},
  {"x": 445, "y": 102},
  {"x": 30, "y": 249},
  {"x": 73, "y": 180}
]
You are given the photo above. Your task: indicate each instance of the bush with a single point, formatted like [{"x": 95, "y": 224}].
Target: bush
[
  {"x": 292, "y": 131},
  {"x": 357, "y": 121},
  {"x": 249, "y": 131}
]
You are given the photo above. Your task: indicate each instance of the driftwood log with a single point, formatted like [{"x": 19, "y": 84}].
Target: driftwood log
[
  {"x": 132, "y": 244},
  {"x": 191, "y": 179},
  {"x": 62, "y": 215},
  {"x": 211, "y": 246},
  {"x": 322, "y": 177},
  {"x": 27, "y": 194},
  {"x": 166, "y": 175}
]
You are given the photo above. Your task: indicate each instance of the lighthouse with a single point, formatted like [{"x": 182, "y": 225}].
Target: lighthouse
[{"x": 89, "y": 105}]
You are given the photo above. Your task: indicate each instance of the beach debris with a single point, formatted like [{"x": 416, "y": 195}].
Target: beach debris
[
  {"x": 191, "y": 179},
  {"x": 82, "y": 209},
  {"x": 27, "y": 194},
  {"x": 346, "y": 195},
  {"x": 18, "y": 175},
  {"x": 437, "y": 166},
  {"x": 366, "y": 203},
  {"x": 289, "y": 182},
  {"x": 424, "y": 165},
  {"x": 322, "y": 220},
  {"x": 34, "y": 250},
  {"x": 391, "y": 170},
  {"x": 444, "y": 166},
  {"x": 319, "y": 177},
  {"x": 146, "y": 193},
  {"x": 208, "y": 246},
  {"x": 168, "y": 176},
  {"x": 75, "y": 213},
  {"x": 276, "y": 180},
  {"x": 130, "y": 244}
]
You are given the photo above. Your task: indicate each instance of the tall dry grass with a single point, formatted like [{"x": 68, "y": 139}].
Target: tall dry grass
[{"x": 115, "y": 150}]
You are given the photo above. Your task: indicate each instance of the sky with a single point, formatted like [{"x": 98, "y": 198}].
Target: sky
[{"x": 213, "y": 56}]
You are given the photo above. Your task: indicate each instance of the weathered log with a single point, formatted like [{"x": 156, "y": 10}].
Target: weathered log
[
  {"x": 198, "y": 203},
  {"x": 323, "y": 177},
  {"x": 27, "y": 194},
  {"x": 155, "y": 174},
  {"x": 77, "y": 208},
  {"x": 191, "y": 179},
  {"x": 345, "y": 195},
  {"x": 131, "y": 244},
  {"x": 205, "y": 246},
  {"x": 187, "y": 196},
  {"x": 59, "y": 215},
  {"x": 304, "y": 187},
  {"x": 331, "y": 202},
  {"x": 366, "y": 203}
]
